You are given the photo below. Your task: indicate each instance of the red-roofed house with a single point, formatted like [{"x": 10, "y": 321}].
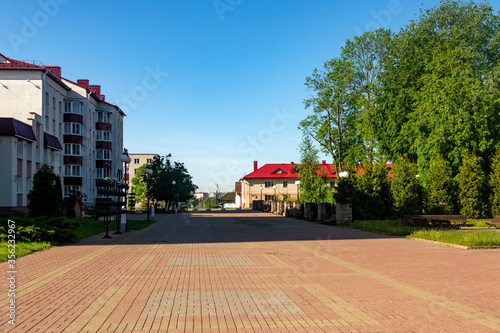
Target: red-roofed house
[
  {"x": 274, "y": 178},
  {"x": 47, "y": 119}
]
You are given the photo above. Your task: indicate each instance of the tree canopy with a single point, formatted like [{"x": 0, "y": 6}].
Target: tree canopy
[{"x": 161, "y": 186}]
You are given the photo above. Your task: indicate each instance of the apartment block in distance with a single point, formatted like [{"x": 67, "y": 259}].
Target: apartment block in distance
[
  {"x": 48, "y": 119},
  {"x": 136, "y": 161}
]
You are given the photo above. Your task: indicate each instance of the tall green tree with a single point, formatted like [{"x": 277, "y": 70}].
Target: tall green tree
[
  {"x": 494, "y": 183},
  {"x": 440, "y": 191},
  {"x": 405, "y": 187},
  {"x": 471, "y": 182},
  {"x": 332, "y": 122},
  {"x": 312, "y": 182},
  {"x": 367, "y": 53},
  {"x": 45, "y": 198},
  {"x": 440, "y": 86},
  {"x": 161, "y": 186}
]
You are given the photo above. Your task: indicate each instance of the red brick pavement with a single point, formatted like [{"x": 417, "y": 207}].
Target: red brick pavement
[{"x": 253, "y": 272}]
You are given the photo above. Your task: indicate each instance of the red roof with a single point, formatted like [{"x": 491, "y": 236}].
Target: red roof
[{"x": 286, "y": 170}]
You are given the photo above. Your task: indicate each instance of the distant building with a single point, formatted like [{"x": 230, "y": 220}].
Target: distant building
[
  {"x": 48, "y": 119},
  {"x": 136, "y": 161},
  {"x": 274, "y": 179},
  {"x": 201, "y": 195}
]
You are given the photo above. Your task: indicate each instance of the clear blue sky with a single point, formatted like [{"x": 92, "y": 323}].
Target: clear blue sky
[{"x": 217, "y": 84}]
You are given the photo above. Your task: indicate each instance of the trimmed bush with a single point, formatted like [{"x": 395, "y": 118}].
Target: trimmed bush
[
  {"x": 495, "y": 185},
  {"x": 404, "y": 187},
  {"x": 439, "y": 188},
  {"x": 471, "y": 182}
]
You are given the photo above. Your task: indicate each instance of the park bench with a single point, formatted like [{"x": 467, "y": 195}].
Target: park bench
[
  {"x": 436, "y": 221},
  {"x": 332, "y": 219},
  {"x": 494, "y": 223}
]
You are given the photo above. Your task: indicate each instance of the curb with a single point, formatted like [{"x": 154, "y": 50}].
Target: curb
[{"x": 463, "y": 247}]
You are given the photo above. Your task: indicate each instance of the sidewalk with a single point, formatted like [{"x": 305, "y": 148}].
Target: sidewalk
[{"x": 249, "y": 271}]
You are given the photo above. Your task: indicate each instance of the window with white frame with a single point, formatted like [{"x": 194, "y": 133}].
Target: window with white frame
[
  {"x": 73, "y": 170},
  {"x": 70, "y": 189},
  {"x": 269, "y": 184},
  {"x": 73, "y": 107},
  {"x": 73, "y": 128},
  {"x": 103, "y": 135},
  {"x": 269, "y": 197},
  {"x": 103, "y": 154},
  {"x": 285, "y": 183},
  {"x": 136, "y": 161},
  {"x": 72, "y": 149},
  {"x": 103, "y": 173},
  {"x": 102, "y": 117}
]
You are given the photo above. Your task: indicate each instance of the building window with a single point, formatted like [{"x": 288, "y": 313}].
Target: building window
[
  {"x": 19, "y": 167},
  {"x": 136, "y": 161},
  {"x": 103, "y": 136},
  {"x": 54, "y": 103},
  {"x": 269, "y": 197},
  {"x": 103, "y": 154},
  {"x": 72, "y": 149},
  {"x": 135, "y": 170},
  {"x": 102, "y": 117},
  {"x": 70, "y": 189},
  {"x": 28, "y": 169},
  {"x": 73, "y": 128},
  {"x": 73, "y": 170},
  {"x": 149, "y": 161},
  {"x": 47, "y": 98},
  {"x": 103, "y": 173},
  {"x": 73, "y": 107},
  {"x": 269, "y": 184},
  {"x": 285, "y": 183}
]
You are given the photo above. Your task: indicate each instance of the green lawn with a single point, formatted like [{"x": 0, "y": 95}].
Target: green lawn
[
  {"x": 22, "y": 249},
  {"x": 485, "y": 238},
  {"x": 89, "y": 227}
]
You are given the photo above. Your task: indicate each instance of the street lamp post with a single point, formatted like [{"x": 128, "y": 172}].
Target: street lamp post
[
  {"x": 148, "y": 171},
  {"x": 173, "y": 197},
  {"x": 126, "y": 160},
  {"x": 260, "y": 193},
  {"x": 297, "y": 182},
  {"x": 274, "y": 186}
]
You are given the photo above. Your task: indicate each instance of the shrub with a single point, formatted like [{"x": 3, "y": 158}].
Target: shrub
[
  {"x": 471, "y": 180},
  {"x": 495, "y": 185},
  {"x": 45, "y": 198},
  {"x": 373, "y": 193},
  {"x": 404, "y": 187},
  {"x": 439, "y": 188}
]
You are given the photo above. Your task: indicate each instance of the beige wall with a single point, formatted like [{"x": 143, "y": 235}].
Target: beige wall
[
  {"x": 142, "y": 159},
  {"x": 251, "y": 189}
]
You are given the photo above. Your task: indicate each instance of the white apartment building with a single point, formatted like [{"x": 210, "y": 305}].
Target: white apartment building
[{"x": 47, "y": 119}]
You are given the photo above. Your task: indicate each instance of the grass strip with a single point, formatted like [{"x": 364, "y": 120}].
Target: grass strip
[
  {"x": 22, "y": 249},
  {"x": 88, "y": 227},
  {"x": 473, "y": 238}
]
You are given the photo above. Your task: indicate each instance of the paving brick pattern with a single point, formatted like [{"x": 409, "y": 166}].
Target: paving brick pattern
[{"x": 254, "y": 272}]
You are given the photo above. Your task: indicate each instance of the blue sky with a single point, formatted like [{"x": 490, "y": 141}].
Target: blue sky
[{"x": 217, "y": 84}]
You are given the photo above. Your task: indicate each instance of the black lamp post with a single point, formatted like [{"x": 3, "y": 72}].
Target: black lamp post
[
  {"x": 148, "y": 171},
  {"x": 173, "y": 196},
  {"x": 126, "y": 160}
]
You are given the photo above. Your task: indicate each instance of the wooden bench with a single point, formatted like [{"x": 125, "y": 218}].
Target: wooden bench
[
  {"x": 436, "y": 221},
  {"x": 494, "y": 223},
  {"x": 330, "y": 220}
]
